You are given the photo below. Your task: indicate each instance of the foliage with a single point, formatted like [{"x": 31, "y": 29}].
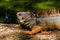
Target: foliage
[{"x": 13, "y": 6}]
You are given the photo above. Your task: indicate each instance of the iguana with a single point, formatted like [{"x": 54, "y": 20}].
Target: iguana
[{"x": 43, "y": 23}]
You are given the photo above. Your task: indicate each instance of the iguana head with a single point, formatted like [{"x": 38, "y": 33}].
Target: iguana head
[
  {"x": 23, "y": 16},
  {"x": 24, "y": 19}
]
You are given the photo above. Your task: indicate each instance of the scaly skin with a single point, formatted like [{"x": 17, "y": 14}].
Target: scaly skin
[{"x": 49, "y": 22}]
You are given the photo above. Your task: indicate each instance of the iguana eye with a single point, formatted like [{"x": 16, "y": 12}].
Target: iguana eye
[
  {"x": 19, "y": 14},
  {"x": 22, "y": 18}
]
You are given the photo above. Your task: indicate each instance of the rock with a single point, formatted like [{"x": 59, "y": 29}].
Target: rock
[{"x": 12, "y": 32}]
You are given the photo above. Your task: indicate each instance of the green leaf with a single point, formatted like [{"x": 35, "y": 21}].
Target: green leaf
[{"x": 44, "y": 5}]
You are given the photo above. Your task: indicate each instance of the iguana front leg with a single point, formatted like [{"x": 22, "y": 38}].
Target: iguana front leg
[{"x": 33, "y": 31}]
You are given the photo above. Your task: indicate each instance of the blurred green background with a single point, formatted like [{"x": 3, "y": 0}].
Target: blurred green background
[{"x": 9, "y": 8}]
